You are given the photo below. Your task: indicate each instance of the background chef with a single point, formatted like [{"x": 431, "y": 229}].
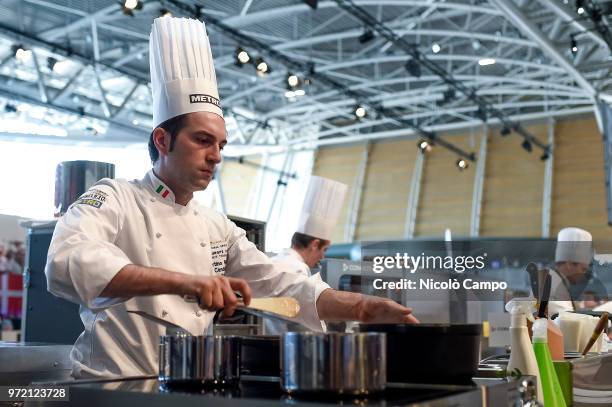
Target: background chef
[
  {"x": 572, "y": 276},
  {"x": 318, "y": 217},
  {"x": 144, "y": 244}
]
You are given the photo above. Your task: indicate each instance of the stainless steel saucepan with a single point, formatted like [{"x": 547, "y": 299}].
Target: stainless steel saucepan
[
  {"x": 335, "y": 363},
  {"x": 187, "y": 360},
  {"x": 199, "y": 360}
]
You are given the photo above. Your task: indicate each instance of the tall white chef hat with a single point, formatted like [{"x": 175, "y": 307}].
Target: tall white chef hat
[
  {"x": 182, "y": 71},
  {"x": 321, "y": 207},
  {"x": 574, "y": 245}
]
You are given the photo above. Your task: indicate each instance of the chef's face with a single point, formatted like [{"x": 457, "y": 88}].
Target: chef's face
[
  {"x": 317, "y": 249},
  {"x": 197, "y": 150},
  {"x": 573, "y": 271}
]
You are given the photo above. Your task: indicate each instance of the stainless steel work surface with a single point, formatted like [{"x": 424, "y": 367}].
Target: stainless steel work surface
[
  {"x": 23, "y": 363},
  {"x": 259, "y": 392}
]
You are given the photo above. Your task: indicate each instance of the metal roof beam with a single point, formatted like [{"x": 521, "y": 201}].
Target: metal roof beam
[{"x": 531, "y": 30}]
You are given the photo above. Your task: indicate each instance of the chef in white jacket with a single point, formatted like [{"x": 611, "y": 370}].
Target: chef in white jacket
[
  {"x": 319, "y": 215},
  {"x": 145, "y": 244},
  {"x": 572, "y": 276}
]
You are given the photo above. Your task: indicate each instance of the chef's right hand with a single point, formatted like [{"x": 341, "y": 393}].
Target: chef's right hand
[{"x": 215, "y": 293}]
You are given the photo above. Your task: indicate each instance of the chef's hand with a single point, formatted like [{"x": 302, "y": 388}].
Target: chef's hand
[
  {"x": 383, "y": 310},
  {"x": 215, "y": 293}
]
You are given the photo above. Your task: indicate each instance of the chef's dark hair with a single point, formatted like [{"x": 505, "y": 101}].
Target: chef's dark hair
[
  {"x": 172, "y": 126},
  {"x": 301, "y": 241}
]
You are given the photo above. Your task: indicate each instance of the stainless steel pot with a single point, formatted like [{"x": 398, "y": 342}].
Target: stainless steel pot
[
  {"x": 73, "y": 178},
  {"x": 186, "y": 360},
  {"x": 335, "y": 363}
]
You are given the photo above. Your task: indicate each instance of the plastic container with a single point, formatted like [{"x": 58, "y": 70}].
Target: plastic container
[
  {"x": 553, "y": 395},
  {"x": 522, "y": 357}
]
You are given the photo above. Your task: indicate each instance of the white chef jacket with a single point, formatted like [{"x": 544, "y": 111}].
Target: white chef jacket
[
  {"x": 138, "y": 222},
  {"x": 290, "y": 259},
  {"x": 559, "y": 292}
]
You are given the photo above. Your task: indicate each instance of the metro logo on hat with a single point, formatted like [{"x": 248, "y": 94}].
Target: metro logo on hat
[{"x": 182, "y": 72}]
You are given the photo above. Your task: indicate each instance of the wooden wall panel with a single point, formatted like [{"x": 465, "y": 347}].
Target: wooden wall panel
[
  {"x": 446, "y": 193},
  {"x": 340, "y": 164},
  {"x": 579, "y": 194},
  {"x": 513, "y": 186},
  {"x": 238, "y": 182},
  {"x": 386, "y": 190}
]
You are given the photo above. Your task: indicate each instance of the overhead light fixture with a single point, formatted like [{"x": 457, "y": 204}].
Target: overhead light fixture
[
  {"x": 132, "y": 4},
  {"x": 368, "y": 35},
  {"x": 292, "y": 80},
  {"x": 573, "y": 45},
  {"x": 527, "y": 146},
  {"x": 300, "y": 92},
  {"x": 461, "y": 164},
  {"x": 21, "y": 53},
  {"x": 360, "y": 112},
  {"x": 51, "y": 62},
  {"x": 129, "y": 6},
  {"x": 505, "y": 131},
  {"x": 242, "y": 57},
  {"x": 10, "y": 108},
  {"x": 486, "y": 61},
  {"x": 165, "y": 13},
  {"x": 261, "y": 66},
  {"x": 312, "y": 3},
  {"x": 289, "y": 94},
  {"x": 424, "y": 145},
  {"x": 413, "y": 67},
  {"x": 435, "y": 48}
]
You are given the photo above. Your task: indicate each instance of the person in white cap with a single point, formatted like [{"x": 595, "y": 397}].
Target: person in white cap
[
  {"x": 319, "y": 215},
  {"x": 572, "y": 275},
  {"x": 144, "y": 245}
]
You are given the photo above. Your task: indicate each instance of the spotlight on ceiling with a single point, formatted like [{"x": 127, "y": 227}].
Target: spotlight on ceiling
[
  {"x": 486, "y": 61},
  {"x": 10, "y": 108},
  {"x": 580, "y": 7},
  {"x": 368, "y": 35},
  {"x": 165, "y": 13},
  {"x": 424, "y": 145},
  {"x": 312, "y": 3},
  {"x": 261, "y": 66},
  {"x": 435, "y": 48},
  {"x": 413, "y": 67},
  {"x": 527, "y": 146},
  {"x": 292, "y": 80},
  {"x": 241, "y": 57},
  {"x": 129, "y": 6},
  {"x": 461, "y": 164},
  {"x": 545, "y": 156},
  {"x": 51, "y": 62},
  {"x": 21, "y": 53},
  {"x": 360, "y": 112},
  {"x": 573, "y": 45},
  {"x": 505, "y": 131}
]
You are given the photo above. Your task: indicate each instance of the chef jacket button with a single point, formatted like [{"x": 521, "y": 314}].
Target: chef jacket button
[
  {"x": 195, "y": 213},
  {"x": 152, "y": 199},
  {"x": 202, "y": 244},
  {"x": 158, "y": 235},
  {"x": 198, "y": 314},
  {"x": 164, "y": 313}
]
